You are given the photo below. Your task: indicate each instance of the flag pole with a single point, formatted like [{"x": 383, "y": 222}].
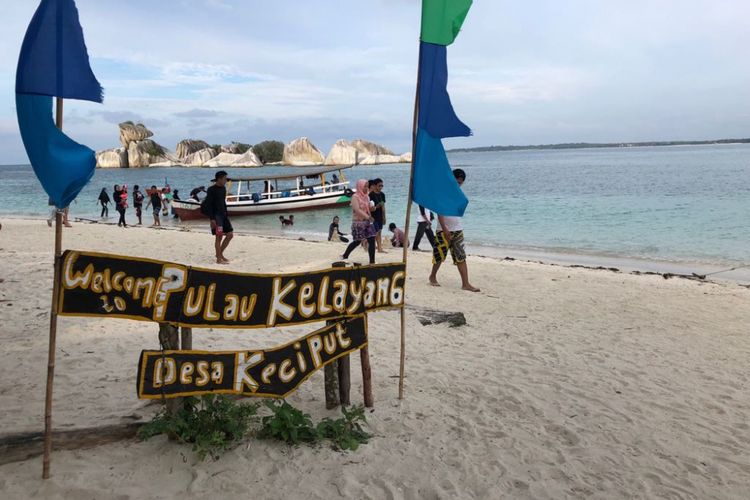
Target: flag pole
[
  {"x": 405, "y": 257},
  {"x": 53, "y": 321}
]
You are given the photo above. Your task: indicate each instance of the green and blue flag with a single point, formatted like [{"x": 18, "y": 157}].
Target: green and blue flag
[
  {"x": 434, "y": 184},
  {"x": 54, "y": 62}
]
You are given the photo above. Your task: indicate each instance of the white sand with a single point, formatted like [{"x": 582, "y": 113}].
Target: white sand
[{"x": 566, "y": 383}]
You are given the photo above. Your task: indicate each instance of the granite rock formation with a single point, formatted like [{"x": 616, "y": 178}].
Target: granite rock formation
[
  {"x": 342, "y": 153},
  {"x": 380, "y": 159},
  {"x": 133, "y": 132},
  {"x": 187, "y": 147},
  {"x": 367, "y": 148},
  {"x": 112, "y": 158},
  {"x": 302, "y": 152},
  {"x": 198, "y": 158}
]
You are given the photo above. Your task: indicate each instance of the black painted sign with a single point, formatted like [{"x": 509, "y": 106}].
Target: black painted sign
[
  {"x": 97, "y": 284},
  {"x": 275, "y": 372}
]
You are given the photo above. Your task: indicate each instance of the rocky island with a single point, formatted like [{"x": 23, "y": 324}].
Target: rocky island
[{"x": 139, "y": 150}]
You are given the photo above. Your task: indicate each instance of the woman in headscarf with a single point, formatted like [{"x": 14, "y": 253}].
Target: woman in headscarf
[
  {"x": 104, "y": 201},
  {"x": 362, "y": 228}
]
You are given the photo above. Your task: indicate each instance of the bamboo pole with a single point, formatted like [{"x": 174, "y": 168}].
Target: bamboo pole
[
  {"x": 52, "y": 322},
  {"x": 409, "y": 199}
]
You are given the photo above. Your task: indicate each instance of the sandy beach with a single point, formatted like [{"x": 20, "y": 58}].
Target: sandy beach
[{"x": 566, "y": 383}]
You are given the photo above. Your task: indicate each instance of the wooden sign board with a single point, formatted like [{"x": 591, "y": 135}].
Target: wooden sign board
[
  {"x": 97, "y": 284},
  {"x": 275, "y": 372}
]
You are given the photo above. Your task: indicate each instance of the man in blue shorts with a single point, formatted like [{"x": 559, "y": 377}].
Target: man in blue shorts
[{"x": 450, "y": 238}]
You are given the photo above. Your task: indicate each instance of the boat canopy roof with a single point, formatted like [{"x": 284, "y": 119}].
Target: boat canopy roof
[{"x": 303, "y": 172}]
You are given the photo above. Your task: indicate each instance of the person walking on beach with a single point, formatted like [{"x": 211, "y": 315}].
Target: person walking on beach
[
  {"x": 104, "y": 201},
  {"x": 362, "y": 221},
  {"x": 138, "y": 203},
  {"x": 424, "y": 228},
  {"x": 215, "y": 207},
  {"x": 377, "y": 196},
  {"x": 450, "y": 237},
  {"x": 334, "y": 234},
  {"x": 154, "y": 201}
]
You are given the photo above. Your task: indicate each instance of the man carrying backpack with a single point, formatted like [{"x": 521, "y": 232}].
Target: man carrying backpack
[{"x": 214, "y": 206}]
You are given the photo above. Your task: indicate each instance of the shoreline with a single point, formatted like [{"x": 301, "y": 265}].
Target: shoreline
[{"x": 732, "y": 272}]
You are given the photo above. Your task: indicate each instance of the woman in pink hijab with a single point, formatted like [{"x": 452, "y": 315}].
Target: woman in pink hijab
[{"x": 362, "y": 228}]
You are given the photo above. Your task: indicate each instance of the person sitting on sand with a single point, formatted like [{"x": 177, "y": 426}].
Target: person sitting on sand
[
  {"x": 362, "y": 227},
  {"x": 154, "y": 201},
  {"x": 333, "y": 231},
  {"x": 216, "y": 209},
  {"x": 450, "y": 237},
  {"x": 286, "y": 222},
  {"x": 398, "y": 235}
]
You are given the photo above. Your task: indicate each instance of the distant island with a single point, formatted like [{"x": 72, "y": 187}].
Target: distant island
[{"x": 589, "y": 145}]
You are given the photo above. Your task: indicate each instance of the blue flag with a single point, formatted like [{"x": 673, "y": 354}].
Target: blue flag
[
  {"x": 434, "y": 184},
  {"x": 54, "y": 63},
  {"x": 436, "y": 114}
]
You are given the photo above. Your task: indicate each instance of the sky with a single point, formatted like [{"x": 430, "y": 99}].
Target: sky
[{"x": 531, "y": 72}]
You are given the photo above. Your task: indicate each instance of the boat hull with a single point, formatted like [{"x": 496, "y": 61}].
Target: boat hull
[{"x": 190, "y": 209}]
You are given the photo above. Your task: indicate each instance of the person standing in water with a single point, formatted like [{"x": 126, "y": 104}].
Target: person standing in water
[
  {"x": 138, "y": 203},
  {"x": 362, "y": 227},
  {"x": 450, "y": 237},
  {"x": 104, "y": 201},
  {"x": 215, "y": 207},
  {"x": 154, "y": 201},
  {"x": 122, "y": 205}
]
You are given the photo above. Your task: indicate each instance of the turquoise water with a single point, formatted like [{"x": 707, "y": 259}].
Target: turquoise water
[{"x": 666, "y": 203}]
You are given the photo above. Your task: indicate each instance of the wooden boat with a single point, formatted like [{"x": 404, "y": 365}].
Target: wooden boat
[{"x": 265, "y": 194}]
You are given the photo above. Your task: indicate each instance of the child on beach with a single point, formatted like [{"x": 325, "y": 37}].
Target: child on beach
[
  {"x": 362, "y": 227},
  {"x": 450, "y": 237},
  {"x": 398, "y": 235},
  {"x": 155, "y": 203},
  {"x": 334, "y": 234}
]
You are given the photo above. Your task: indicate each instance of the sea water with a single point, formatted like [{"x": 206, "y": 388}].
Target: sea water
[{"x": 683, "y": 203}]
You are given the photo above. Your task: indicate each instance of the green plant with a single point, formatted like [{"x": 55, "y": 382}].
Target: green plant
[
  {"x": 269, "y": 151},
  {"x": 346, "y": 433},
  {"x": 211, "y": 424},
  {"x": 287, "y": 423}
]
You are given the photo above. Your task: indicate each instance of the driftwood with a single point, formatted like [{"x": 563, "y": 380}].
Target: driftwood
[
  {"x": 20, "y": 447},
  {"x": 427, "y": 316}
]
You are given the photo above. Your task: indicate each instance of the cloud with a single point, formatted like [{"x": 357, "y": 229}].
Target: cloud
[{"x": 197, "y": 113}]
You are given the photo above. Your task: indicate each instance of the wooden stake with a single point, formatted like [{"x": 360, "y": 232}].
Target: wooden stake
[
  {"x": 364, "y": 358},
  {"x": 409, "y": 199},
  {"x": 52, "y": 324}
]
